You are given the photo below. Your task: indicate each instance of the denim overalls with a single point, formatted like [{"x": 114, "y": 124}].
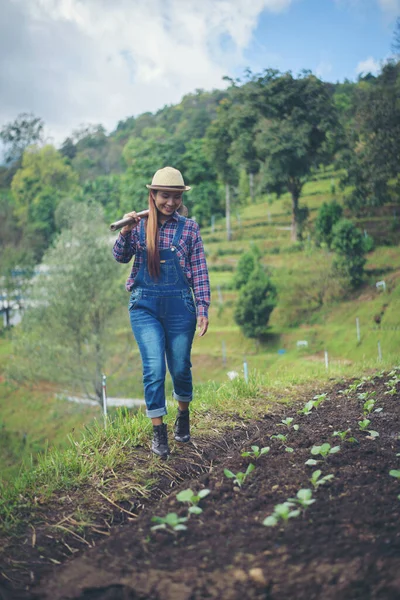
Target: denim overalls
[{"x": 163, "y": 320}]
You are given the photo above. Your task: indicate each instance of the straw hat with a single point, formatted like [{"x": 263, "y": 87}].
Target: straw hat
[{"x": 169, "y": 180}]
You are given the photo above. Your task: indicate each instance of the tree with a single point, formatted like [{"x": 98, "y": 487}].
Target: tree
[
  {"x": 37, "y": 187},
  {"x": 64, "y": 335},
  {"x": 328, "y": 215},
  {"x": 257, "y": 300},
  {"x": 373, "y": 155},
  {"x": 21, "y": 133},
  {"x": 297, "y": 118},
  {"x": 349, "y": 245},
  {"x": 245, "y": 267}
]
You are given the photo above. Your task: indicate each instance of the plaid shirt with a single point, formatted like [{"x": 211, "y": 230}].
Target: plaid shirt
[{"x": 190, "y": 252}]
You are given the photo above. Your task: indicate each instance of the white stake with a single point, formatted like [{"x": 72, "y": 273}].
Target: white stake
[
  {"x": 326, "y": 360},
  {"x": 246, "y": 371},
  {"x": 104, "y": 391},
  {"x": 379, "y": 352},
  {"x": 358, "y": 330}
]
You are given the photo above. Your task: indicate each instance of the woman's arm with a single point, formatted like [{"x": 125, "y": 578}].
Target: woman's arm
[{"x": 201, "y": 282}]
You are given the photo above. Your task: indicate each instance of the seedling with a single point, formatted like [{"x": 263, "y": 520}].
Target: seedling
[
  {"x": 239, "y": 478},
  {"x": 192, "y": 499},
  {"x": 392, "y": 383},
  {"x": 318, "y": 399},
  {"x": 317, "y": 480},
  {"x": 171, "y": 522},
  {"x": 369, "y": 406},
  {"x": 304, "y": 498},
  {"x": 282, "y": 512},
  {"x": 288, "y": 422},
  {"x": 282, "y": 438},
  {"x": 344, "y": 435},
  {"x": 363, "y": 427},
  {"x": 366, "y": 396},
  {"x": 307, "y": 408},
  {"x": 256, "y": 452},
  {"x": 395, "y": 473},
  {"x": 324, "y": 450}
]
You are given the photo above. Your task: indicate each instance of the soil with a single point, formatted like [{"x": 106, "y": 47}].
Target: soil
[{"x": 345, "y": 546}]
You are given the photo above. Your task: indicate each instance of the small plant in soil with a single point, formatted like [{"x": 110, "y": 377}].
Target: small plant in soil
[
  {"x": 307, "y": 408},
  {"x": 364, "y": 396},
  {"x": 282, "y": 512},
  {"x": 324, "y": 450},
  {"x": 344, "y": 435},
  {"x": 392, "y": 383},
  {"x": 369, "y": 406},
  {"x": 363, "y": 425},
  {"x": 288, "y": 423},
  {"x": 317, "y": 480},
  {"x": 192, "y": 499},
  {"x": 239, "y": 478},
  {"x": 395, "y": 473},
  {"x": 304, "y": 498},
  {"x": 256, "y": 452},
  {"x": 171, "y": 522},
  {"x": 318, "y": 399},
  {"x": 282, "y": 438}
]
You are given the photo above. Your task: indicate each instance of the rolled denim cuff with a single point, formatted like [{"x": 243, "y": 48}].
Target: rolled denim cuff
[
  {"x": 157, "y": 412},
  {"x": 182, "y": 398}
]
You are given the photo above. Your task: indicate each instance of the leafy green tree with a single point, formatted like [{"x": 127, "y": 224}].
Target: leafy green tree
[
  {"x": 38, "y": 186},
  {"x": 297, "y": 117},
  {"x": 245, "y": 267},
  {"x": 21, "y": 133},
  {"x": 257, "y": 299},
  {"x": 64, "y": 335},
  {"x": 373, "y": 154},
  {"x": 349, "y": 245},
  {"x": 328, "y": 215}
]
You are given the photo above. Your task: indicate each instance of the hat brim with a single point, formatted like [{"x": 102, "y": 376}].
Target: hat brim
[{"x": 165, "y": 188}]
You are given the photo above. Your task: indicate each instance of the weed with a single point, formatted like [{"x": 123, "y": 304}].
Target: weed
[
  {"x": 256, "y": 452},
  {"x": 193, "y": 499},
  {"x": 239, "y": 478},
  {"x": 171, "y": 522}
]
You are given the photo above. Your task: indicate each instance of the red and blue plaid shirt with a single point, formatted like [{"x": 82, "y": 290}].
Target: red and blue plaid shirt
[{"x": 190, "y": 251}]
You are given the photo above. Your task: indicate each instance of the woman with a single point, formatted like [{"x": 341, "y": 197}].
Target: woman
[{"x": 169, "y": 264}]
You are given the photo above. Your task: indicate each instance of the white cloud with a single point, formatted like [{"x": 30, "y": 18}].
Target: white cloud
[
  {"x": 323, "y": 69},
  {"x": 390, "y": 7},
  {"x": 370, "y": 65},
  {"x": 100, "y": 60}
]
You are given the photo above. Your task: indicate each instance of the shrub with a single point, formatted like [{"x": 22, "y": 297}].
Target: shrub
[
  {"x": 246, "y": 265},
  {"x": 328, "y": 215},
  {"x": 256, "y": 301},
  {"x": 349, "y": 245}
]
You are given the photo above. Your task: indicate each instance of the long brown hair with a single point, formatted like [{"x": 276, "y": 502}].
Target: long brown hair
[{"x": 152, "y": 236}]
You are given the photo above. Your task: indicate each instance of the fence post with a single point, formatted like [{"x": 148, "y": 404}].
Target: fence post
[
  {"x": 326, "y": 360},
  {"x": 358, "y": 330},
  {"x": 379, "y": 352},
  {"x": 104, "y": 392},
  {"x": 246, "y": 371}
]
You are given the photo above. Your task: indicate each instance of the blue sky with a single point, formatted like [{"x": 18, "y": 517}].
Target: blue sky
[
  {"x": 333, "y": 39},
  {"x": 79, "y": 62}
]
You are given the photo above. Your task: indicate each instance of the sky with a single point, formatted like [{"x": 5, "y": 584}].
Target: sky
[{"x": 80, "y": 62}]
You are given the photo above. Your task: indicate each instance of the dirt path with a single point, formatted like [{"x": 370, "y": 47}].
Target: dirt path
[{"x": 345, "y": 545}]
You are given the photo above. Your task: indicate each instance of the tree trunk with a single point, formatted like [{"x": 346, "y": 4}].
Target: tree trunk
[
  {"x": 228, "y": 212},
  {"x": 251, "y": 183},
  {"x": 295, "y": 216}
]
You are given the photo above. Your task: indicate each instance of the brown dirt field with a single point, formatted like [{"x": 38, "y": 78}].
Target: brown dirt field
[{"x": 344, "y": 546}]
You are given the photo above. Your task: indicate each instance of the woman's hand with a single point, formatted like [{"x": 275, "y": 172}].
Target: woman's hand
[
  {"x": 202, "y": 325},
  {"x": 135, "y": 220}
]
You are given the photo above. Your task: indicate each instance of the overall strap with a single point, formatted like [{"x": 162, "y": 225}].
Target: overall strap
[
  {"x": 142, "y": 234},
  {"x": 179, "y": 230}
]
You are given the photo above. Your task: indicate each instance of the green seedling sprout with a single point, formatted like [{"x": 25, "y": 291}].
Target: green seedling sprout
[
  {"x": 288, "y": 423},
  {"x": 363, "y": 427},
  {"x": 369, "y": 406},
  {"x": 307, "y": 408},
  {"x": 193, "y": 499},
  {"x": 171, "y": 522},
  {"x": 256, "y": 452},
  {"x": 317, "y": 480},
  {"x": 318, "y": 399},
  {"x": 282, "y": 512},
  {"x": 395, "y": 473},
  {"x": 304, "y": 498},
  {"x": 282, "y": 438},
  {"x": 239, "y": 478},
  {"x": 344, "y": 435},
  {"x": 324, "y": 450}
]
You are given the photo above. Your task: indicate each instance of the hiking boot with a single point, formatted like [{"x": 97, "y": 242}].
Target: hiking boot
[
  {"x": 159, "y": 445},
  {"x": 182, "y": 426}
]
